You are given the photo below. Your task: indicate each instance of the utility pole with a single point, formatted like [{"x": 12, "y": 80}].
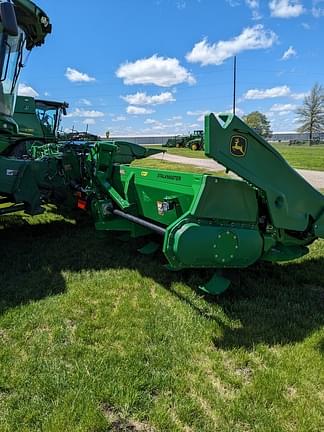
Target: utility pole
[{"x": 234, "y": 85}]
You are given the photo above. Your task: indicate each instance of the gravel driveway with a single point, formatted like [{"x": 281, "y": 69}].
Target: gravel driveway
[{"x": 315, "y": 178}]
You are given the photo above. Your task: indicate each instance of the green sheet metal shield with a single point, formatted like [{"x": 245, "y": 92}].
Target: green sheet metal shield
[{"x": 238, "y": 146}]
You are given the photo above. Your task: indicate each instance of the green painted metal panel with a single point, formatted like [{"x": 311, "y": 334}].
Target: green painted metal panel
[
  {"x": 292, "y": 202},
  {"x": 226, "y": 199},
  {"x": 25, "y": 117},
  {"x": 204, "y": 245},
  {"x": 150, "y": 188}
]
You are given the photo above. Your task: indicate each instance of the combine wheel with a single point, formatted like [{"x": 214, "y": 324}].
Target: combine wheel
[{"x": 194, "y": 146}]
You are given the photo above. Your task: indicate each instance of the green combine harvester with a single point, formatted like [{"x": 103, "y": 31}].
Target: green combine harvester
[
  {"x": 199, "y": 221},
  {"x": 38, "y": 119}
]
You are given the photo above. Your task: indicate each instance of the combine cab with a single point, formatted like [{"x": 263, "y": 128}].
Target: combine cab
[
  {"x": 39, "y": 119},
  {"x": 38, "y": 122}
]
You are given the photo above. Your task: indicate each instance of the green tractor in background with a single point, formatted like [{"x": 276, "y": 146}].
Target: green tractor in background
[
  {"x": 176, "y": 141},
  {"x": 194, "y": 141}
]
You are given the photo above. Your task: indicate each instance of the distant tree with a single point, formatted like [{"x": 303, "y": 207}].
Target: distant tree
[
  {"x": 259, "y": 123},
  {"x": 311, "y": 113},
  {"x": 107, "y": 134}
]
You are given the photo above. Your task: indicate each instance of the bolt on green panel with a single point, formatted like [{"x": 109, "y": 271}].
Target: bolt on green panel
[{"x": 197, "y": 245}]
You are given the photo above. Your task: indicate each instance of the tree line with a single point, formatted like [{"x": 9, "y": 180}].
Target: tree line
[{"x": 310, "y": 116}]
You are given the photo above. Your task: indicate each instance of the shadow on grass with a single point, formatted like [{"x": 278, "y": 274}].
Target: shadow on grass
[{"x": 274, "y": 304}]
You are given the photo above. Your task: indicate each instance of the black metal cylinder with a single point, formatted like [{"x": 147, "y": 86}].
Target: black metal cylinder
[{"x": 144, "y": 223}]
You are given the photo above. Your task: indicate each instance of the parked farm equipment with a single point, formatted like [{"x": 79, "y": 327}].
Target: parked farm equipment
[
  {"x": 38, "y": 119},
  {"x": 203, "y": 221},
  {"x": 194, "y": 141}
]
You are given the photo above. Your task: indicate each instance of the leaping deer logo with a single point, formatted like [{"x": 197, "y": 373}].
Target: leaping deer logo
[{"x": 238, "y": 146}]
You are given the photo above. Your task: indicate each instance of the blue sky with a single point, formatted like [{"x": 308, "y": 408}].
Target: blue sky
[{"x": 150, "y": 67}]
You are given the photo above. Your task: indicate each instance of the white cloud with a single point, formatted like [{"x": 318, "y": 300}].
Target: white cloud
[
  {"x": 283, "y": 107},
  {"x": 201, "y": 118},
  {"x": 299, "y": 96},
  {"x": 238, "y": 111},
  {"x": 138, "y": 110},
  {"x": 181, "y": 4},
  {"x": 306, "y": 26},
  {"x": 254, "y": 5},
  {"x": 280, "y": 91},
  {"x": 286, "y": 8},
  {"x": 160, "y": 71},
  {"x": 86, "y": 102},
  {"x": 141, "y": 98},
  {"x": 46, "y": 94},
  {"x": 85, "y": 113},
  {"x": 89, "y": 121},
  {"x": 175, "y": 118},
  {"x": 290, "y": 52},
  {"x": 25, "y": 90},
  {"x": 233, "y": 3},
  {"x": 251, "y": 38},
  {"x": 158, "y": 125},
  {"x": 317, "y": 11},
  {"x": 76, "y": 76},
  {"x": 118, "y": 118},
  {"x": 198, "y": 112},
  {"x": 267, "y": 93},
  {"x": 150, "y": 121}
]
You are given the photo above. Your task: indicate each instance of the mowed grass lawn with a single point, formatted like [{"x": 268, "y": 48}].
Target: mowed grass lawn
[
  {"x": 305, "y": 157},
  {"x": 166, "y": 165},
  {"x": 96, "y": 337}
]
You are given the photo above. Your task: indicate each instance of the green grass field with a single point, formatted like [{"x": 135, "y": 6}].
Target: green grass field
[
  {"x": 303, "y": 156},
  {"x": 96, "y": 337},
  {"x": 162, "y": 164},
  {"x": 298, "y": 156},
  {"x": 183, "y": 152}
]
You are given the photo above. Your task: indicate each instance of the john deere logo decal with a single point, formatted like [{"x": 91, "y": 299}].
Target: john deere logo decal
[{"x": 238, "y": 146}]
